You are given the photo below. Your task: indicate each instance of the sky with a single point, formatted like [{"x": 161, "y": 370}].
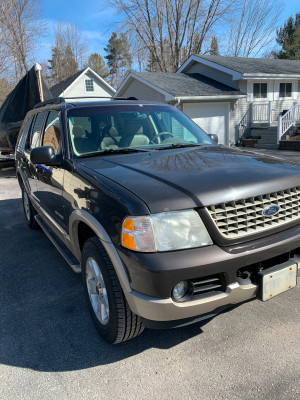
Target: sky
[
  {"x": 94, "y": 18},
  {"x": 97, "y": 21}
]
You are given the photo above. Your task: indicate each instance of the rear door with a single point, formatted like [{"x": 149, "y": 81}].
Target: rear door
[{"x": 32, "y": 141}]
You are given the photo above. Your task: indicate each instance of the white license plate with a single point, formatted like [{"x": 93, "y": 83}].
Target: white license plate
[{"x": 279, "y": 281}]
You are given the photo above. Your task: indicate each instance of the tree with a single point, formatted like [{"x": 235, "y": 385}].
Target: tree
[
  {"x": 97, "y": 63},
  {"x": 171, "y": 29},
  {"x": 252, "y": 27},
  {"x": 118, "y": 57},
  {"x": 68, "y": 52},
  {"x": 214, "y": 47},
  {"x": 288, "y": 37},
  {"x": 21, "y": 26}
]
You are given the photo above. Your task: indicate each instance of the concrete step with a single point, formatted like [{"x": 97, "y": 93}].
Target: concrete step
[
  {"x": 267, "y": 140},
  {"x": 266, "y": 146}
]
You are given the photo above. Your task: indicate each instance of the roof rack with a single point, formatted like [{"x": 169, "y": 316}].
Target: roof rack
[
  {"x": 59, "y": 100},
  {"x": 124, "y": 98}
]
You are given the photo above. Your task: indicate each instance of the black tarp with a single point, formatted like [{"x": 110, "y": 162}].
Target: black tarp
[{"x": 12, "y": 113}]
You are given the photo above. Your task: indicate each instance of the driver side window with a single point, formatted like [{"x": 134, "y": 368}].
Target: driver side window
[{"x": 52, "y": 135}]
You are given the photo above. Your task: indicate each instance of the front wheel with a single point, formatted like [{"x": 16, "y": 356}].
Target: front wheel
[
  {"x": 108, "y": 307},
  {"x": 29, "y": 211}
]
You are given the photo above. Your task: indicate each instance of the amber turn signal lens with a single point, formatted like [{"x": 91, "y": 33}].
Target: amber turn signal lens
[{"x": 128, "y": 241}]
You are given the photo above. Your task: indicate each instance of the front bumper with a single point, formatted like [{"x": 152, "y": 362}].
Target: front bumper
[{"x": 154, "y": 275}]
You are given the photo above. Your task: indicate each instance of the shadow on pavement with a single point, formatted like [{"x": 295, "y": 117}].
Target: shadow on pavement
[{"x": 45, "y": 323}]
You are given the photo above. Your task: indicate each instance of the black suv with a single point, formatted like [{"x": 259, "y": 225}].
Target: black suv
[{"x": 165, "y": 226}]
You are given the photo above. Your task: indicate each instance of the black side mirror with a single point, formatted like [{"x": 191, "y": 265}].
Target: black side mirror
[
  {"x": 44, "y": 155},
  {"x": 214, "y": 138}
]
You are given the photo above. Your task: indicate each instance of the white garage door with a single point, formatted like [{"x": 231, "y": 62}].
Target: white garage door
[{"x": 212, "y": 117}]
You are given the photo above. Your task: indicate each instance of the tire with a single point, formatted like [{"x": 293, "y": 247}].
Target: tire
[
  {"x": 29, "y": 211},
  {"x": 108, "y": 307}
]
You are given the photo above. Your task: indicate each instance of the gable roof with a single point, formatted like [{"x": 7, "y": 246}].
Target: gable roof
[
  {"x": 247, "y": 66},
  {"x": 60, "y": 87},
  {"x": 182, "y": 85}
]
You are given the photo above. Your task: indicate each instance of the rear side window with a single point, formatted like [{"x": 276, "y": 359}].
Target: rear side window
[
  {"x": 52, "y": 135},
  {"x": 24, "y": 134},
  {"x": 36, "y": 131}
]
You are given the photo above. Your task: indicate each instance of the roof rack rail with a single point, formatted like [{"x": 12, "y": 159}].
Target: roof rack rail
[
  {"x": 87, "y": 97},
  {"x": 124, "y": 98},
  {"x": 55, "y": 100}
]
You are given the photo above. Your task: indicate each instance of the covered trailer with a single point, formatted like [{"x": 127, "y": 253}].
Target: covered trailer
[{"x": 29, "y": 91}]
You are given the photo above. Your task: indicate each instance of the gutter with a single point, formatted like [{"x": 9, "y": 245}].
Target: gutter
[
  {"x": 271, "y": 76},
  {"x": 198, "y": 98}
]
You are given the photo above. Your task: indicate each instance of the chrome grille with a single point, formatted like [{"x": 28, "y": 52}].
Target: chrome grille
[{"x": 244, "y": 217}]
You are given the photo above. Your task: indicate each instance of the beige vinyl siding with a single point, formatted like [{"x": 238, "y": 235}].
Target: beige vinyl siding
[
  {"x": 198, "y": 68},
  {"x": 135, "y": 88},
  {"x": 240, "y": 115}
]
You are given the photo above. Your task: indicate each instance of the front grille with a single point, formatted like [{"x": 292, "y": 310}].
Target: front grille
[
  {"x": 208, "y": 285},
  {"x": 239, "y": 218}
]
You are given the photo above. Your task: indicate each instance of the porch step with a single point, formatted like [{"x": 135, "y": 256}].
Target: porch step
[{"x": 266, "y": 146}]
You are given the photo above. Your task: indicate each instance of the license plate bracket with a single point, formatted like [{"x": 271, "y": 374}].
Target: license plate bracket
[{"x": 276, "y": 280}]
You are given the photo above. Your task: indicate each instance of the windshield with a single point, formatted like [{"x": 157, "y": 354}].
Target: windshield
[{"x": 115, "y": 127}]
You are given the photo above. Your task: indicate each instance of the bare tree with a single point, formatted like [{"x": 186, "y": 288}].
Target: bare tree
[
  {"x": 21, "y": 27},
  {"x": 252, "y": 27},
  {"x": 69, "y": 52},
  {"x": 171, "y": 29},
  {"x": 5, "y": 89}
]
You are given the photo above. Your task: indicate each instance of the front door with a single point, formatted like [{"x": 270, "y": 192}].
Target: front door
[{"x": 50, "y": 178}]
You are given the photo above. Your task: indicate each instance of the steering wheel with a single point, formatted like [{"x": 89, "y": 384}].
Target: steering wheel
[{"x": 157, "y": 136}]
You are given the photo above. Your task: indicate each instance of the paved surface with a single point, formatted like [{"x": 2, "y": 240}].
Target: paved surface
[
  {"x": 50, "y": 350},
  {"x": 289, "y": 155}
]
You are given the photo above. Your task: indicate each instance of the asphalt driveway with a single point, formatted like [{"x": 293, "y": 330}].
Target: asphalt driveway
[{"x": 50, "y": 350}]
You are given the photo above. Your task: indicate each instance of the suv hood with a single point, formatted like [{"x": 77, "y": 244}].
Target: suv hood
[{"x": 177, "y": 179}]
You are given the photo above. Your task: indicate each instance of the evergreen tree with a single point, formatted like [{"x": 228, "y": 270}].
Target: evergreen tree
[
  {"x": 97, "y": 63},
  {"x": 214, "y": 47},
  {"x": 118, "y": 57},
  {"x": 152, "y": 65},
  {"x": 62, "y": 64},
  {"x": 288, "y": 37}
]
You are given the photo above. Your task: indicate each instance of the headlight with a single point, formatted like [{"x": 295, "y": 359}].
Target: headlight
[{"x": 166, "y": 231}]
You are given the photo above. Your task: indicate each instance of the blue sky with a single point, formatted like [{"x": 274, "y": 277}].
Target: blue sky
[
  {"x": 94, "y": 18},
  {"x": 97, "y": 21}
]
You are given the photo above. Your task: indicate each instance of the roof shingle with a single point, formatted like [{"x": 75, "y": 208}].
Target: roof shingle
[
  {"x": 256, "y": 65},
  {"x": 187, "y": 84}
]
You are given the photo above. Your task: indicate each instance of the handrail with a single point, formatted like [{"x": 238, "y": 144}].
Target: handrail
[{"x": 289, "y": 119}]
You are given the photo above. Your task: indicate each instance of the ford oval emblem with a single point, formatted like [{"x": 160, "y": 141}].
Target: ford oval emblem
[{"x": 271, "y": 210}]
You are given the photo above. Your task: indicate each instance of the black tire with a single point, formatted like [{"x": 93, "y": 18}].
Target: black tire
[
  {"x": 122, "y": 324},
  {"x": 30, "y": 213}
]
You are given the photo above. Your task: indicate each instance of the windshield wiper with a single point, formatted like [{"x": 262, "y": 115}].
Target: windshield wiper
[
  {"x": 124, "y": 150},
  {"x": 177, "y": 146}
]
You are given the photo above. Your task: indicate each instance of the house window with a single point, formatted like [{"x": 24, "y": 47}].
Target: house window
[
  {"x": 89, "y": 85},
  {"x": 260, "y": 90},
  {"x": 285, "y": 90}
]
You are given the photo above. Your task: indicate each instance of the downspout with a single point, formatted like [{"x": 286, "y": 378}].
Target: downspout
[{"x": 178, "y": 102}]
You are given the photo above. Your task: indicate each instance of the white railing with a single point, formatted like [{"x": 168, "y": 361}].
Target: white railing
[
  {"x": 262, "y": 112},
  {"x": 289, "y": 119}
]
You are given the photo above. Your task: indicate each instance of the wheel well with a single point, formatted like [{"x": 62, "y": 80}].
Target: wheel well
[{"x": 84, "y": 233}]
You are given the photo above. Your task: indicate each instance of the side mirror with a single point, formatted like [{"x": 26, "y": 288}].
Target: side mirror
[
  {"x": 214, "y": 138},
  {"x": 44, "y": 155}
]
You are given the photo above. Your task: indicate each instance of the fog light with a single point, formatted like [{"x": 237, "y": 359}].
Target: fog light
[{"x": 180, "y": 290}]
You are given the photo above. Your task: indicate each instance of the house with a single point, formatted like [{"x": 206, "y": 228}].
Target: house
[
  {"x": 229, "y": 96},
  {"x": 85, "y": 84}
]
